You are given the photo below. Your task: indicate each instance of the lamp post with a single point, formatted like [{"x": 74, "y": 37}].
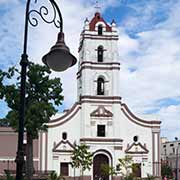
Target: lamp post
[{"x": 58, "y": 59}]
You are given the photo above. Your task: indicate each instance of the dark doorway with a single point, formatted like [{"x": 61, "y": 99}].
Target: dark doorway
[
  {"x": 64, "y": 169},
  {"x": 137, "y": 170},
  {"x": 98, "y": 161}
]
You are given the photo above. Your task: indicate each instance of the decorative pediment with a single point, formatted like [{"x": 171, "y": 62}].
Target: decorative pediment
[
  {"x": 63, "y": 146},
  {"x": 101, "y": 111},
  {"x": 136, "y": 148}
]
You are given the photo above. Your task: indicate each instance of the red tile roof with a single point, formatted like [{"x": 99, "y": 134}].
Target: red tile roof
[{"x": 98, "y": 18}]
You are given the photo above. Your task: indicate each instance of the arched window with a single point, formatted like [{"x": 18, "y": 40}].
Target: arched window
[
  {"x": 100, "y": 30},
  {"x": 100, "y": 53},
  {"x": 100, "y": 86}
]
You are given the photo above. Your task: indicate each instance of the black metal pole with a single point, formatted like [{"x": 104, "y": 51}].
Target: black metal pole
[
  {"x": 24, "y": 63},
  {"x": 20, "y": 152}
]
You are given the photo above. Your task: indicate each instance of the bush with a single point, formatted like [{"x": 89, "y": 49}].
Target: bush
[
  {"x": 129, "y": 177},
  {"x": 150, "y": 177},
  {"x": 166, "y": 170},
  {"x": 54, "y": 176},
  {"x": 8, "y": 175}
]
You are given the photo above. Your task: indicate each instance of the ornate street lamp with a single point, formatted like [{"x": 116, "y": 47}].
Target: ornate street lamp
[{"x": 58, "y": 59}]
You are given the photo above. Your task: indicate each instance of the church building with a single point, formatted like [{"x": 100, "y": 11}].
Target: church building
[{"x": 99, "y": 118}]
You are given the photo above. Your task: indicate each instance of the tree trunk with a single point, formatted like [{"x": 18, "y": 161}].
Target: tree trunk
[{"x": 29, "y": 157}]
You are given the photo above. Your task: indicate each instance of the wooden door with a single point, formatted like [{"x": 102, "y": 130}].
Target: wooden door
[
  {"x": 64, "y": 169},
  {"x": 97, "y": 163},
  {"x": 137, "y": 170}
]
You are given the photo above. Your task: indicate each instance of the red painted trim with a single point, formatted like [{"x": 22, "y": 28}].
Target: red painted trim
[
  {"x": 100, "y": 63},
  {"x": 62, "y": 142},
  {"x": 100, "y": 102},
  {"x": 134, "y": 152},
  {"x": 84, "y": 34},
  {"x": 62, "y": 122},
  {"x": 65, "y": 115},
  {"x": 97, "y": 99},
  {"x": 101, "y": 97},
  {"x": 97, "y": 68},
  {"x": 129, "y": 117},
  {"x": 97, "y": 18},
  {"x": 63, "y": 151},
  {"x": 138, "y": 119},
  {"x": 99, "y": 151},
  {"x": 105, "y": 112},
  {"x": 97, "y": 37},
  {"x": 105, "y": 37},
  {"x": 101, "y": 139}
]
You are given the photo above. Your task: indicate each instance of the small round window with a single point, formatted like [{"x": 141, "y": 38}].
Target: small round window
[
  {"x": 64, "y": 135},
  {"x": 135, "y": 138}
]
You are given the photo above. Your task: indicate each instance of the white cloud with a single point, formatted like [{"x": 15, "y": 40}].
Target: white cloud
[
  {"x": 126, "y": 44},
  {"x": 43, "y": 37},
  {"x": 156, "y": 60},
  {"x": 170, "y": 121},
  {"x": 150, "y": 63}
]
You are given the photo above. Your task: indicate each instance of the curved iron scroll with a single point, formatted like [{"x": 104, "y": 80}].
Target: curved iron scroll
[{"x": 43, "y": 13}]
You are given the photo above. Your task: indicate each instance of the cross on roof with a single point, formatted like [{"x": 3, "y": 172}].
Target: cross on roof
[{"x": 97, "y": 6}]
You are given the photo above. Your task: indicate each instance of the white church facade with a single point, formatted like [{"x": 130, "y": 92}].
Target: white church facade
[{"x": 99, "y": 119}]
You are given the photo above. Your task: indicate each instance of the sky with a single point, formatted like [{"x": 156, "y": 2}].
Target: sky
[{"x": 149, "y": 49}]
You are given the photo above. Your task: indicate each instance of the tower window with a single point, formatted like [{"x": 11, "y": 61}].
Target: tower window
[
  {"x": 100, "y": 30},
  {"x": 101, "y": 130},
  {"x": 100, "y": 54},
  {"x": 100, "y": 86}
]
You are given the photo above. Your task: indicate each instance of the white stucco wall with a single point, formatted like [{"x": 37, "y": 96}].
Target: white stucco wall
[{"x": 121, "y": 127}]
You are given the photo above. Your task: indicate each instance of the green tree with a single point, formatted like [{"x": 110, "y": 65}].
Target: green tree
[
  {"x": 150, "y": 177},
  {"x": 42, "y": 93},
  {"x": 166, "y": 170},
  {"x": 8, "y": 175},
  {"x": 125, "y": 166},
  {"x": 107, "y": 170},
  {"x": 54, "y": 176},
  {"x": 81, "y": 158}
]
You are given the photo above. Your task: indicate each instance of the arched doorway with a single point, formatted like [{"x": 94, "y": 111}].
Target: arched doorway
[{"x": 98, "y": 160}]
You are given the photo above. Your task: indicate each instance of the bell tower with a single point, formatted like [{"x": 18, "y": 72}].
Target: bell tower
[{"x": 98, "y": 69}]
